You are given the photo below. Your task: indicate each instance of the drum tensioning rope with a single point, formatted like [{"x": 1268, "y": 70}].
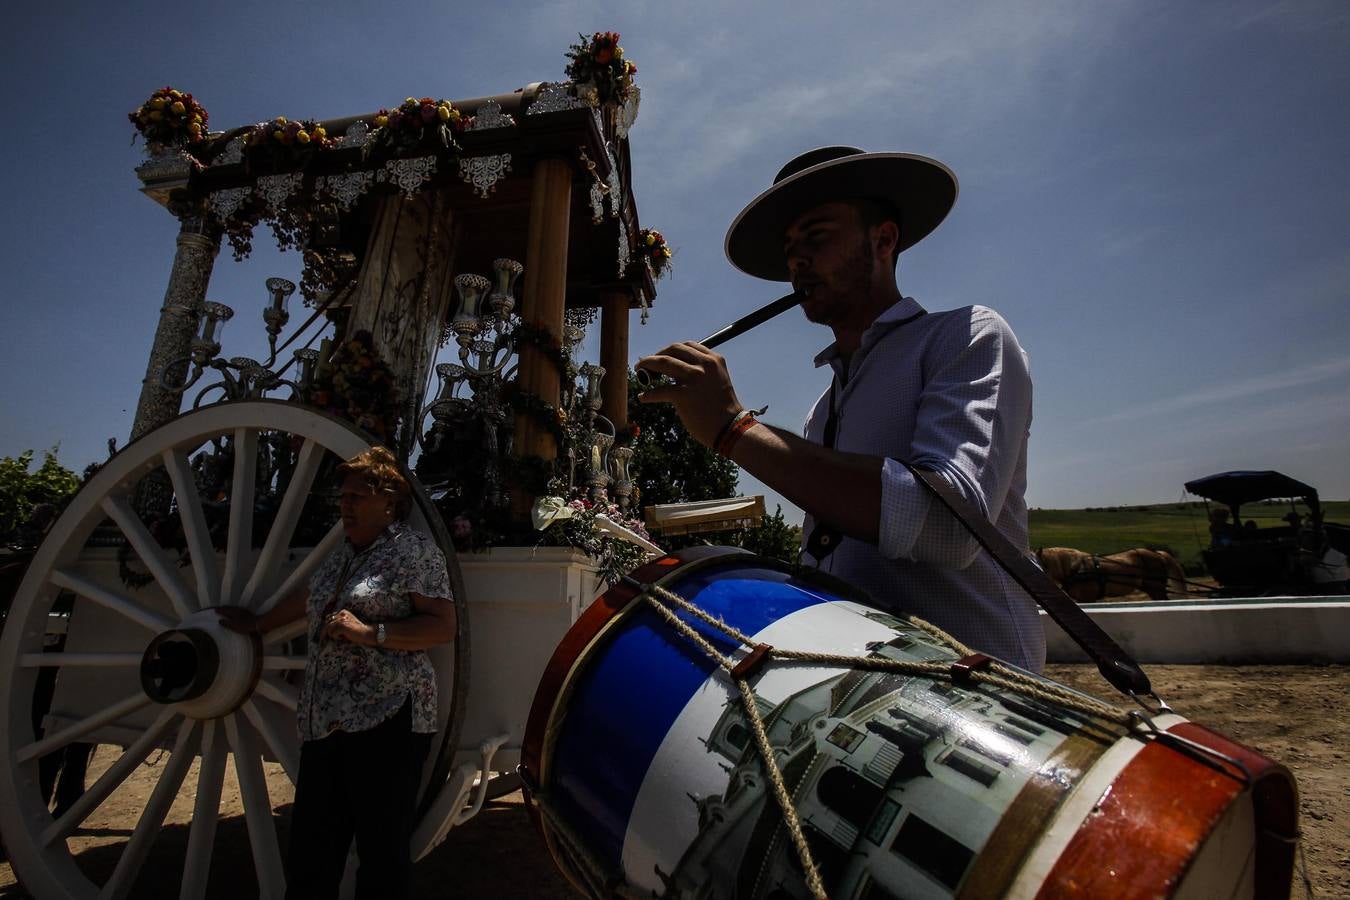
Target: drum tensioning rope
[{"x": 970, "y": 667}]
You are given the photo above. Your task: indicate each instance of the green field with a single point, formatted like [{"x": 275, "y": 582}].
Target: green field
[{"x": 1180, "y": 526}]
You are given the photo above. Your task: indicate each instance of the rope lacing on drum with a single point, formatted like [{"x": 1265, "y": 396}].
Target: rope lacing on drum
[{"x": 970, "y": 667}]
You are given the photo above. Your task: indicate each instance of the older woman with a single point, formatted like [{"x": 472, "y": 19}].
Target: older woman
[{"x": 368, "y": 707}]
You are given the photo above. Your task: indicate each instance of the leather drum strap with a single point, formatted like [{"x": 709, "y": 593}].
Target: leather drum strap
[{"x": 1114, "y": 663}]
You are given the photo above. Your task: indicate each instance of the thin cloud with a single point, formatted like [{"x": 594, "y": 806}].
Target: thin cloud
[{"x": 1226, "y": 393}]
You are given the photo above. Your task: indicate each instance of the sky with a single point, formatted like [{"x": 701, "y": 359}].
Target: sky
[{"x": 1156, "y": 195}]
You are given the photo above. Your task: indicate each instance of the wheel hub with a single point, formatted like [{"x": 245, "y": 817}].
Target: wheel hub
[{"x": 201, "y": 667}]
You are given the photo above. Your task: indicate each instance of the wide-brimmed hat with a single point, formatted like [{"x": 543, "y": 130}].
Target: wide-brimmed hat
[{"x": 921, "y": 190}]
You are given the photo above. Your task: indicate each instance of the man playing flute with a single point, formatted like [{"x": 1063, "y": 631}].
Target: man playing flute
[{"x": 948, "y": 391}]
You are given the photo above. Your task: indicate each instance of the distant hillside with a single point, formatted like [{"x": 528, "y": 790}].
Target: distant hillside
[{"x": 1181, "y": 526}]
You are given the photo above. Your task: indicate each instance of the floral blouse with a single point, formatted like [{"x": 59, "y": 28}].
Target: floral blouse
[{"x": 349, "y": 687}]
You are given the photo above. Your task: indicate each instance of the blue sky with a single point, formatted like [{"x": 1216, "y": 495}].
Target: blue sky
[{"x": 1154, "y": 194}]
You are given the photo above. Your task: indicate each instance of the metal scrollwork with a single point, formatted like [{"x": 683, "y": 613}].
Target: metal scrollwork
[
  {"x": 347, "y": 188},
  {"x": 356, "y": 135},
  {"x": 490, "y": 115},
  {"x": 553, "y": 97},
  {"x": 628, "y": 113},
  {"x": 408, "y": 174},
  {"x": 275, "y": 190},
  {"x": 612, "y": 180},
  {"x": 233, "y": 154},
  {"x": 483, "y": 172},
  {"x": 226, "y": 201},
  {"x": 175, "y": 163},
  {"x": 624, "y": 249}
]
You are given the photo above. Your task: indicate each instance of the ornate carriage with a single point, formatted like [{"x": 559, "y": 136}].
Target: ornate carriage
[{"x": 413, "y": 239}]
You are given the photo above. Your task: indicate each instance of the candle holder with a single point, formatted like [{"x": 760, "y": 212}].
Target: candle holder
[
  {"x": 619, "y": 460},
  {"x": 503, "y": 299},
  {"x": 241, "y": 377},
  {"x": 206, "y": 346},
  {"x": 275, "y": 315},
  {"x": 466, "y": 322}
]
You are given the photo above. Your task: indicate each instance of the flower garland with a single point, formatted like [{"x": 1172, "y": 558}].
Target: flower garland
[
  {"x": 415, "y": 124},
  {"x": 358, "y": 386},
  {"x": 655, "y": 251},
  {"x": 286, "y": 142},
  {"x": 169, "y": 118},
  {"x": 598, "y": 71}
]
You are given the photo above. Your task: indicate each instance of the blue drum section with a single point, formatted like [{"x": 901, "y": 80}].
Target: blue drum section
[{"x": 626, "y": 699}]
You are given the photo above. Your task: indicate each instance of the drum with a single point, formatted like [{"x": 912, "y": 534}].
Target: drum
[{"x": 911, "y": 767}]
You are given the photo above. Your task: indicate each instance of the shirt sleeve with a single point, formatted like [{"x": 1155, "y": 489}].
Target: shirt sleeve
[
  {"x": 971, "y": 426},
  {"x": 427, "y": 574}
]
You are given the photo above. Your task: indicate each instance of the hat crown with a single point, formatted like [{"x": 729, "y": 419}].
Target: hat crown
[{"x": 814, "y": 158}]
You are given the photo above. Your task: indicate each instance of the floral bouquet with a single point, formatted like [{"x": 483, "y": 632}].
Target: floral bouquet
[
  {"x": 358, "y": 386},
  {"x": 599, "y": 73},
  {"x": 416, "y": 123},
  {"x": 170, "y": 117},
  {"x": 652, "y": 244},
  {"x": 573, "y": 523}
]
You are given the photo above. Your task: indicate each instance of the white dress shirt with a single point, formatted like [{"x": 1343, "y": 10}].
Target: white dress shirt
[{"x": 949, "y": 391}]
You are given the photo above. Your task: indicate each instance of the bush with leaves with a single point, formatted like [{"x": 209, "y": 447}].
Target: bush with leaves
[
  {"x": 22, "y": 491},
  {"x": 671, "y": 467}
]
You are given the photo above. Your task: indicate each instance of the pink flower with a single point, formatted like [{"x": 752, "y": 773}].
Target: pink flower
[{"x": 460, "y": 528}]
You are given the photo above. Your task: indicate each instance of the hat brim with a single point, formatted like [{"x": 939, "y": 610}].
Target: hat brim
[{"x": 923, "y": 190}]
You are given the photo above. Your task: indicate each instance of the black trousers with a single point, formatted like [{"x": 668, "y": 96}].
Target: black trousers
[{"x": 356, "y": 784}]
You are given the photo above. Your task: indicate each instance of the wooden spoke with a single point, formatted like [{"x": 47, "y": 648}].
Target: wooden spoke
[
  {"x": 302, "y": 573},
  {"x": 283, "y": 694},
  {"x": 240, "y": 547},
  {"x": 82, "y": 727},
  {"x": 283, "y": 527},
  {"x": 96, "y": 793},
  {"x": 288, "y": 632},
  {"x": 71, "y": 660},
  {"x": 205, "y": 813},
  {"x": 147, "y": 827},
  {"x": 285, "y": 754},
  {"x": 262, "y": 832},
  {"x": 198, "y": 535},
  {"x": 165, "y": 570},
  {"x": 116, "y": 602},
  {"x": 283, "y": 663}
]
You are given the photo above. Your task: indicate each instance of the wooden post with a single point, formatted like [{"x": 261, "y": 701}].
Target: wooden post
[
  {"x": 542, "y": 300},
  {"x": 614, "y": 357}
]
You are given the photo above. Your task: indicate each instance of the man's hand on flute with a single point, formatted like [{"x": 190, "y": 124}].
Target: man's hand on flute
[{"x": 704, "y": 397}]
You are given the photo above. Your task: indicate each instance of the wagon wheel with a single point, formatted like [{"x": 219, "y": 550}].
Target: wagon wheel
[{"x": 122, "y": 676}]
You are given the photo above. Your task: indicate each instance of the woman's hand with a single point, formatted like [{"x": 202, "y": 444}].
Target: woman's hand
[
  {"x": 238, "y": 619},
  {"x": 343, "y": 625}
]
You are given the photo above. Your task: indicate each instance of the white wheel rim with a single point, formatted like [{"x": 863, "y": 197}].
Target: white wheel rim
[{"x": 36, "y": 844}]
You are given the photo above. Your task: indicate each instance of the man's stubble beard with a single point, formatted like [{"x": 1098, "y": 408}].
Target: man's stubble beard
[{"x": 847, "y": 287}]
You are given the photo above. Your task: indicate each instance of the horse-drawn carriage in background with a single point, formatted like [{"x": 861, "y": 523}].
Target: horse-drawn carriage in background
[
  {"x": 490, "y": 233},
  {"x": 661, "y": 708},
  {"x": 1304, "y": 555}
]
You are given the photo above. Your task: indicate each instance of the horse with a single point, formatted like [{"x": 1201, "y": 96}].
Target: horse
[{"x": 1087, "y": 578}]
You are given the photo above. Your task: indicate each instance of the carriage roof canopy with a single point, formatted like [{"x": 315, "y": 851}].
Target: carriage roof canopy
[
  {"x": 1237, "y": 488},
  {"x": 501, "y": 149},
  {"x": 538, "y": 176}
]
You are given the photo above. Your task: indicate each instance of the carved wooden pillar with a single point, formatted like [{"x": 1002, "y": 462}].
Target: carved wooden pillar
[
  {"x": 402, "y": 292},
  {"x": 543, "y": 297},
  {"x": 198, "y": 243},
  {"x": 614, "y": 357}
]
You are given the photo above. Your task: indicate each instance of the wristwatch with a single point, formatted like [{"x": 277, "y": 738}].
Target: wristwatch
[{"x": 379, "y": 635}]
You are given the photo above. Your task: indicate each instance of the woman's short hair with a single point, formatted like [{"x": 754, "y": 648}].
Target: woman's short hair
[{"x": 378, "y": 468}]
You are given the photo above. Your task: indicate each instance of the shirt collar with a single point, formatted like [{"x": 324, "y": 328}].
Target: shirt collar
[
  {"x": 897, "y": 313},
  {"x": 391, "y": 531}
]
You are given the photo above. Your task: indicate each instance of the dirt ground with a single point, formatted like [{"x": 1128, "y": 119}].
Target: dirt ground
[{"x": 1294, "y": 714}]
